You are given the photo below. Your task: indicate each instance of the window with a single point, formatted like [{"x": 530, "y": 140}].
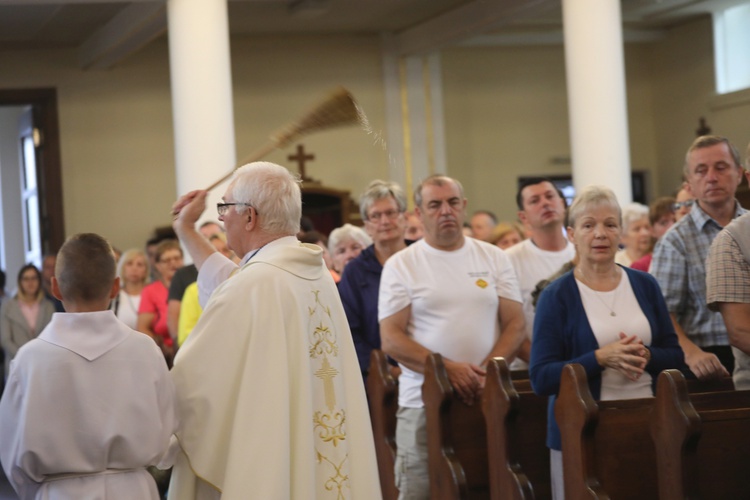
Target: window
[
  {"x": 731, "y": 48},
  {"x": 30, "y": 198}
]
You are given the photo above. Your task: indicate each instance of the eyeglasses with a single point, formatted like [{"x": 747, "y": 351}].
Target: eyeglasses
[
  {"x": 680, "y": 204},
  {"x": 222, "y": 208},
  {"x": 388, "y": 214}
]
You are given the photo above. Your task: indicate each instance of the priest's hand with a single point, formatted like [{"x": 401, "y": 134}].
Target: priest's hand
[{"x": 188, "y": 209}]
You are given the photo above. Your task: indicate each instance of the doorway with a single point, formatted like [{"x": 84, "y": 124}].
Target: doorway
[{"x": 32, "y": 204}]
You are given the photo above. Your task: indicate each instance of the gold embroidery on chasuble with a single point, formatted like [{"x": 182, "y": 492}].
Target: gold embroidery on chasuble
[{"x": 329, "y": 421}]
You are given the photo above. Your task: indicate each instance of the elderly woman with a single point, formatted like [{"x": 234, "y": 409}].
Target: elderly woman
[
  {"x": 636, "y": 234},
  {"x": 152, "y": 312},
  {"x": 23, "y": 317},
  {"x": 133, "y": 271},
  {"x": 610, "y": 319},
  {"x": 382, "y": 206},
  {"x": 506, "y": 234},
  {"x": 345, "y": 243}
]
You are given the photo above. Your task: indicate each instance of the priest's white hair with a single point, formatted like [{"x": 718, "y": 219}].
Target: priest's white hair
[{"x": 275, "y": 194}]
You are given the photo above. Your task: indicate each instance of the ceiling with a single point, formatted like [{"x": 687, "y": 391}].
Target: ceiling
[{"x": 106, "y": 31}]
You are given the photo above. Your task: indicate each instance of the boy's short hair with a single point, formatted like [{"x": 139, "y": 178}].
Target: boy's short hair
[{"x": 85, "y": 268}]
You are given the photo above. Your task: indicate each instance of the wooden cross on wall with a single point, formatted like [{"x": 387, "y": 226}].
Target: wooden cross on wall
[{"x": 301, "y": 158}]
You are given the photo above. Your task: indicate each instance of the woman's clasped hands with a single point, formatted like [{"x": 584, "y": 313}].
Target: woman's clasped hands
[{"x": 628, "y": 356}]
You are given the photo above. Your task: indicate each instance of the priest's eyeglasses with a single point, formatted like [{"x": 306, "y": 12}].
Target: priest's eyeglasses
[{"x": 222, "y": 208}]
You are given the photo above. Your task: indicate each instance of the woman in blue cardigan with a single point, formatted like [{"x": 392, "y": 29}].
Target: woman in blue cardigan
[{"x": 610, "y": 319}]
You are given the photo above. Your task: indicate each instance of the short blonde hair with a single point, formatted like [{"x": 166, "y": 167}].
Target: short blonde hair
[
  {"x": 503, "y": 229},
  {"x": 128, "y": 256},
  {"x": 589, "y": 197}
]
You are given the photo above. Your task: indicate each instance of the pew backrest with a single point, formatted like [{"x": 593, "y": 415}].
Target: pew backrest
[
  {"x": 516, "y": 429},
  {"x": 607, "y": 446},
  {"x": 382, "y": 396},
  {"x": 456, "y": 439},
  {"x": 703, "y": 441}
]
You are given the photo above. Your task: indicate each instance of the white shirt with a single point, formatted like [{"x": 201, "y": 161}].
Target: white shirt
[
  {"x": 630, "y": 320},
  {"x": 532, "y": 265},
  {"x": 88, "y": 405},
  {"x": 127, "y": 308},
  {"x": 454, "y": 299}
]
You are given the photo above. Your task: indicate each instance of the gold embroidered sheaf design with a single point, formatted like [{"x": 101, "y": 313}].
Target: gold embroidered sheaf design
[
  {"x": 338, "y": 480},
  {"x": 330, "y": 426}
]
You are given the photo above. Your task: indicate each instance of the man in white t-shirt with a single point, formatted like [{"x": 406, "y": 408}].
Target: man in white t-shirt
[
  {"x": 541, "y": 207},
  {"x": 449, "y": 294}
]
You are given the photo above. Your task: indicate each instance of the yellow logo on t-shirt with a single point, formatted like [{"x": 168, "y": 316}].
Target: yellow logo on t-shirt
[{"x": 481, "y": 283}]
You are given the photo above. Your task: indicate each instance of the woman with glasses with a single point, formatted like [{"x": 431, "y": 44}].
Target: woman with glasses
[
  {"x": 382, "y": 207},
  {"x": 25, "y": 316},
  {"x": 152, "y": 312},
  {"x": 683, "y": 202}
]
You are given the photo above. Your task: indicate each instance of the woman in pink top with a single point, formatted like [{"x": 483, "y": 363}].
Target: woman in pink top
[
  {"x": 152, "y": 311},
  {"x": 24, "y": 316}
]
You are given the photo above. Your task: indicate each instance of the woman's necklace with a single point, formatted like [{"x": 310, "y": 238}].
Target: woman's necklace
[{"x": 598, "y": 294}]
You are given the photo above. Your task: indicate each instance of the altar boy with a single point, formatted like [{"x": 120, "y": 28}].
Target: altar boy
[{"x": 89, "y": 403}]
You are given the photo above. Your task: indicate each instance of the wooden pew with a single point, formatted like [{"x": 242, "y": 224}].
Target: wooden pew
[
  {"x": 456, "y": 439},
  {"x": 703, "y": 441},
  {"x": 607, "y": 446},
  {"x": 516, "y": 420},
  {"x": 695, "y": 386},
  {"x": 382, "y": 395},
  {"x": 521, "y": 382}
]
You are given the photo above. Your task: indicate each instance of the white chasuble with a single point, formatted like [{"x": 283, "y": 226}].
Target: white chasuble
[{"x": 269, "y": 388}]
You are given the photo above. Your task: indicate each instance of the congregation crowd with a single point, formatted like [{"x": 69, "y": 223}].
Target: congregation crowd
[{"x": 625, "y": 291}]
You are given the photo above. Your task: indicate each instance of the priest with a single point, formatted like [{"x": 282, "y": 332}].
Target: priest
[{"x": 268, "y": 387}]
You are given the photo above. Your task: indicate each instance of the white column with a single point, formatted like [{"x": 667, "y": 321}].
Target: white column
[
  {"x": 595, "y": 70},
  {"x": 414, "y": 116},
  {"x": 201, "y": 95}
]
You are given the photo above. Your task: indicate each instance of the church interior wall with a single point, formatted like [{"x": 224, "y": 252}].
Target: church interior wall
[
  {"x": 684, "y": 90},
  {"x": 505, "y": 116}
]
